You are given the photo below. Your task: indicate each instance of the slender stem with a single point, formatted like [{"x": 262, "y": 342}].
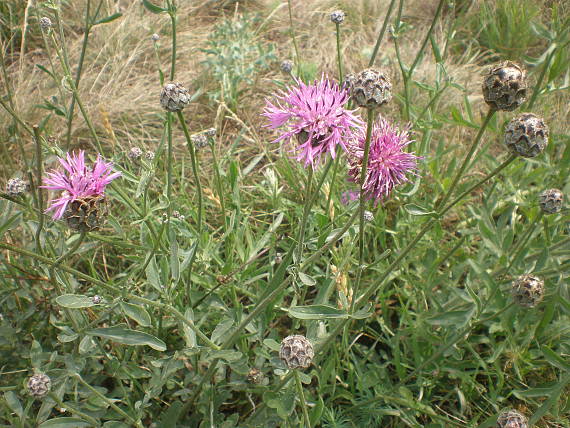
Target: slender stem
[
  {"x": 428, "y": 35},
  {"x": 382, "y": 31},
  {"x": 62, "y": 405},
  {"x": 536, "y": 90},
  {"x": 39, "y": 180},
  {"x": 218, "y": 180},
  {"x": 26, "y": 127},
  {"x": 301, "y": 395},
  {"x": 463, "y": 167},
  {"x": 307, "y": 208},
  {"x": 172, "y": 13},
  {"x": 69, "y": 252},
  {"x": 521, "y": 244},
  {"x": 363, "y": 174},
  {"x": 339, "y": 54},
  {"x": 169, "y": 164},
  {"x": 294, "y": 40},
  {"x": 86, "y": 32}
]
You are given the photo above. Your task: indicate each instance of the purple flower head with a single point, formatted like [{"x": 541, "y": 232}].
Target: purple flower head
[
  {"x": 388, "y": 163},
  {"x": 77, "y": 181},
  {"x": 315, "y": 115}
]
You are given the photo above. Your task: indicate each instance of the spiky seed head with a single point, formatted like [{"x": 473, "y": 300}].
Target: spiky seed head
[
  {"x": 296, "y": 352},
  {"x": 337, "y": 17},
  {"x": 16, "y": 186},
  {"x": 155, "y": 37},
  {"x": 527, "y": 290},
  {"x": 287, "y": 66},
  {"x": 134, "y": 153},
  {"x": 45, "y": 23},
  {"x": 86, "y": 214},
  {"x": 96, "y": 299},
  {"x": 149, "y": 155},
  {"x": 551, "y": 201},
  {"x": 368, "y": 216},
  {"x": 174, "y": 97},
  {"x": 199, "y": 140},
  {"x": 526, "y": 135},
  {"x": 255, "y": 376},
  {"x": 39, "y": 385},
  {"x": 505, "y": 86},
  {"x": 371, "y": 88},
  {"x": 512, "y": 419}
]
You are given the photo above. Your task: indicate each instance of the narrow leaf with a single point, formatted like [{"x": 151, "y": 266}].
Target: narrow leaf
[
  {"x": 317, "y": 312},
  {"x": 125, "y": 336},
  {"x": 74, "y": 301}
]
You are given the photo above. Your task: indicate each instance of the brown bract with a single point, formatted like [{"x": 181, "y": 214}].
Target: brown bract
[
  {"x": 370, "y": 88},
  {"x": 86, "y": 214},
  {"x": 526, "y": 135},
  {"x": 296, "y": 352},
  {"x": 505, "y": 86}
]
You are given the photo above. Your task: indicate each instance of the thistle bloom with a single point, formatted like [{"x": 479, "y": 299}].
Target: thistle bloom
[
  {"x": 316, "y": 116},
  {"x": 388, "y": 163},
  {"x": 77, "y": 181}
]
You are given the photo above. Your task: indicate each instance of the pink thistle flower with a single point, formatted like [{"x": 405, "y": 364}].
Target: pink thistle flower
[
  {"x": 77, "y": 181},
  {"x": 316, "y": 116},
  {"x": 388, "y": 163}
]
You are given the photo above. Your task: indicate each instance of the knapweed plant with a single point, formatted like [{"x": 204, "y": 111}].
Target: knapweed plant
[{"x": 284, "y": 214}]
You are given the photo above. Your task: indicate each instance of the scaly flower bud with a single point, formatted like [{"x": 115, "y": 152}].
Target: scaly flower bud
[
  {"x": 504, "y": 86},
  {"x": 337, "y": 17},
  {"x": 174, "y": 97},
  {"x": 512, "y": 419},
  {"x": 16, "y": 186},
  {"x": 296, "y": 352},
  {"x": 287, "y": 66},
  {"x": 550, "y": 201},
  {"x": 527, "y": 290},
  {"x": 39, "y": 385},
  {"x": 371, "y": 88},
  {"x": 526, "y": 135},
  {"x": 45, "y": 23}
]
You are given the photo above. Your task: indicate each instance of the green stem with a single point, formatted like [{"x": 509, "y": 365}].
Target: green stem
[
  {"x": 169, "y": 165},
  {"x": 307, "y": 208},
  {"x": 521, "y": 243},
  {"x": 301, "y": 395},
  {"x": 39, "y": 180},
  {"x": 218, "y": 181},
  {"x": 426, "y": 40},
  {"x": 294, "y": 40},
  {"x": 536, "y": 90},
  {"x": 72, "y": 410},
  {"x": 339, "y": 54},
  {"x": 463, "y": 167},
  {"x": 26, "y": 127},
  {"x": 382, "y": 31},
  {"x": 172, "y": 13}
]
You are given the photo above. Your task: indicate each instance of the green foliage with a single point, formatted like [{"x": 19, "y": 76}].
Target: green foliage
[{"x": 236, "y": 55}]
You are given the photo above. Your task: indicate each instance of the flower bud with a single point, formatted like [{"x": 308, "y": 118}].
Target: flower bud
[
  {"x": 155, "y": 37},
  {"x": 86, "y": 214},
  {"x": 504, "y": 86},
  {"x": 45, "y": 23},
  {"x": 134, "y": 153},
  {"x": 16, "y": 186},
  {"x": 286, "y": 66},
  {"x": 174, "y": 97},
  {"x": 255, "y": 376},
  {"x": 551, "y": 201},
  {"x": 527, "y": 290},
  {"x": 39, "y": 385},
  {"x": 149, "y": 155},
  {"x": 338, "y": 16},
  {"x": 368, "y": 216},
  {"x": 526, "y": 135},
  {"x": 512, "y": 419},
  {"x": 371, "y": 89},
  {"x": 96, "y": 299},
  {"x": 296, "y": 352},
  {"x": 199, "y": 140}
]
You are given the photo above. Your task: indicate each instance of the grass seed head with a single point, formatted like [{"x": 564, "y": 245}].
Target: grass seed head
[
  {"x": 296, "y": 352},
  {"x": 527, "y": 290},
  {"x": 512, "y": 419},
  {"x": 338, "y": 16},
  {"x": 16, "y": 187},
  {"x": 174, "y": 97},
  {"x": 505, "y": 86},
  {"x": 526, "y": 135},
  {"x": 39, "y": 385},
  {"x": 551, "y": 201},
  {"x": 371, "y": 88}
]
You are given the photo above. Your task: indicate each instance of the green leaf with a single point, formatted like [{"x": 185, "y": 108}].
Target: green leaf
[
  {"x": 137, "y": 313},
  {"x": 306, "y": 279},
  {"x": 153, "y": 8},
  {"x": 555, "y": 359},
  {"x": 14, "y": 403},
  {"x": 174, "y": 260},
  {"x": 125, "y": 336},
  {"x": 414, "y": 209},
  {"x": 170, "y": 416},
  {"x": 108, "y": 19},
  {"x": 45, "y": 70},
  {"x": 452, "y": 318},
  {"x": 317, "y": 312},
  {"x": 74, "y": 301},
  {"x": 65, "y": 423},
  {"x": 283, "y": 402}
]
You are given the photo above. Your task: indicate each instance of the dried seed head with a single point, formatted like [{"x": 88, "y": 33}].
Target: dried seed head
[
  {"x": 371, "y": 88},
  {"x": 296, "y": 352},
  {"x": 287, "y": 66},
  {"x": 86, "y": 214},
  {"x": 512, "y": 419},
  {"x": 155, "y": 37},
  {"x": 199, "y": 140},
  {"x": 45, "y": 23},
  {"x": 368, "y": 216},
  {"x": 174, "y": 97},
  {"x": 96, "y": 299},
  {"x": 149, "y": 155},
  {"x": 526, "y": 135},
  {"x": 338, "y": 16},
  {"x": 39, "y": 385},
  {"x": 16, "y": 186},
  {"x": 504, "y": 86},
  {"x": 527, "y": 290},
  {"x": 134, "y": 153},
  {"x": 551, "y": 201},
  {"x": 255, "y": 376}
]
